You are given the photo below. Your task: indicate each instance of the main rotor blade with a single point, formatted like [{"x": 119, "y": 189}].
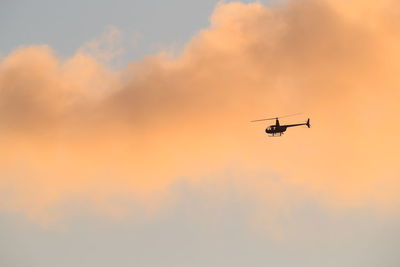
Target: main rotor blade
[
  {"x": 289, "y": 115},
  {"x": 276, "y": 117},
  {"x": 264, "y": 119}
]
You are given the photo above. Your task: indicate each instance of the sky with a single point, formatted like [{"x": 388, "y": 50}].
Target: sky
[{"x": 126, "y": 136}]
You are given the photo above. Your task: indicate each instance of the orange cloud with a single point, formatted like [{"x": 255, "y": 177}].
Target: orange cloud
[{"x": 74, "y": 128}]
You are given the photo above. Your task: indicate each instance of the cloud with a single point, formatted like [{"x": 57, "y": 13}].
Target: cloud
[
  {"x": 107, "y": 47},
  {"x": 74, "y": 128}
]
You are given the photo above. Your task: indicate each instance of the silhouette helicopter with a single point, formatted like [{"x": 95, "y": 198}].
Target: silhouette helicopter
[{"x": 278, "y": 129}]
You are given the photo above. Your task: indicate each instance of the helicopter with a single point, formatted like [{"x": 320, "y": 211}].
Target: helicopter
[{"x": 277, "y": 129}]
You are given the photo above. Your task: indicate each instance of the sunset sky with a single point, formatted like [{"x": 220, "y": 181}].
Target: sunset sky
[{"x": 126, "y": 139}]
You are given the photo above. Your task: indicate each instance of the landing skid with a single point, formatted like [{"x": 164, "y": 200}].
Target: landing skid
[{"x": 275, "y": 135}]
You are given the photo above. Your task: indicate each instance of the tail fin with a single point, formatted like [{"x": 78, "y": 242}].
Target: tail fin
[{"x": 308, "y": 123}]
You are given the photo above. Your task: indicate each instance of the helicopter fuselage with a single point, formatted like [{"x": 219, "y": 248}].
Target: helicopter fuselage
[
  {"x": 278, "y": 130},
  {"x": 273, "y": 129}
]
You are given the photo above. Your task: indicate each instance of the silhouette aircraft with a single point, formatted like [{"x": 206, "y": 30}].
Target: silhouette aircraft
[{"x": 277, "y": 129}]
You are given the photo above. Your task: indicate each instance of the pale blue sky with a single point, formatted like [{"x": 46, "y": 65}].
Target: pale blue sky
[{"x": 67, "y": 25}]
